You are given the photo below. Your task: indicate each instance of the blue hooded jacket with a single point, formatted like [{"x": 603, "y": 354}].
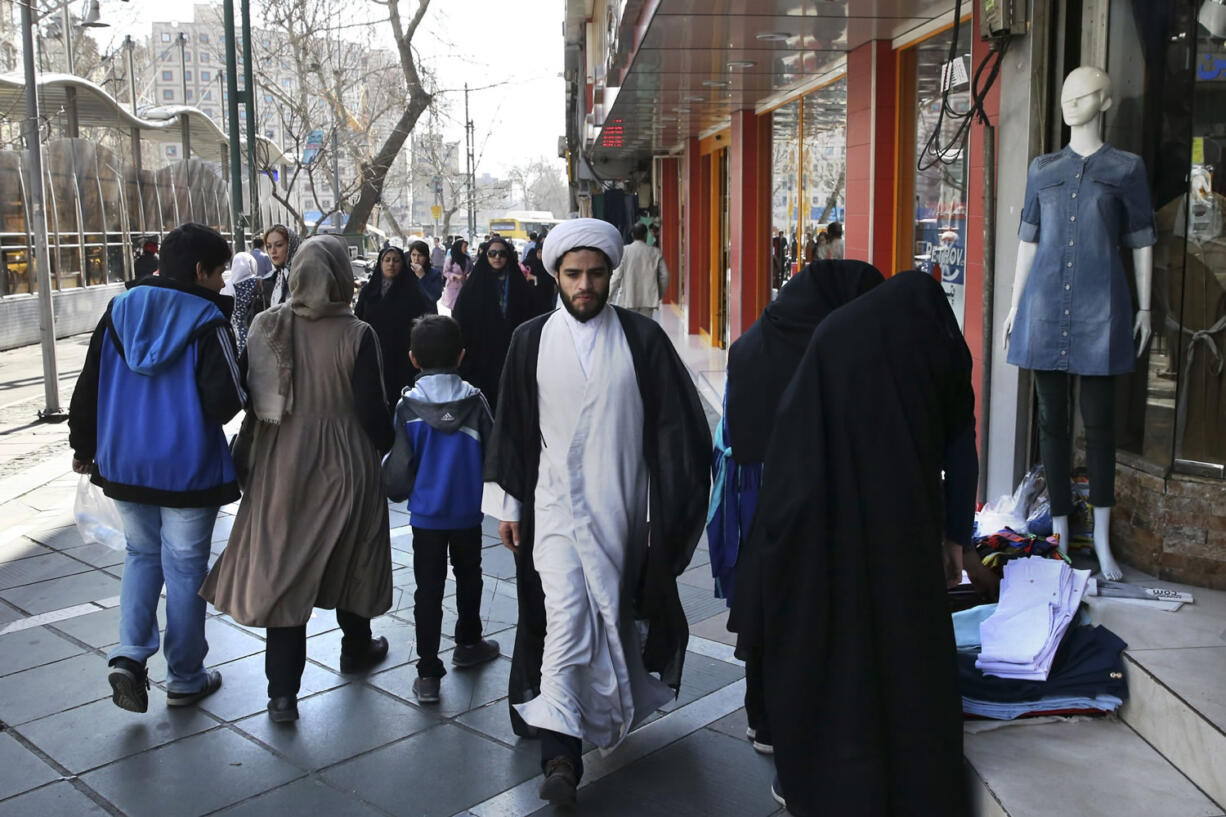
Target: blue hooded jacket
[{"x": 155, "y": 442}]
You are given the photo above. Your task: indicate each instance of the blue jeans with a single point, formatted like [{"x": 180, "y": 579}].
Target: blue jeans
[{"x": 165, "y": 546}]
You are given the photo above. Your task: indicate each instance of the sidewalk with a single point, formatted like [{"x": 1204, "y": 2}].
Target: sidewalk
[{"x": 362, "y": 747}]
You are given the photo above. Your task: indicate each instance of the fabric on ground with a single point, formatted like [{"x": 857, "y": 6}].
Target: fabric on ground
[
  {"x": 1055, "y": 705},
  {"x": 1089, "y": 663},
  {"x": 966, "y": 625}
]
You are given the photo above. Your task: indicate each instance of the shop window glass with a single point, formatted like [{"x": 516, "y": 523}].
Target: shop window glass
[
  {"x": 939, "y": 165},
  {"x": 824, "y": 185},
  {"x": 785, "y": 173},
  {"x": 16, "y": 271}
]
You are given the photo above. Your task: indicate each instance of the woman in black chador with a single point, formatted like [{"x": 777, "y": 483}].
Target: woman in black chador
[{"x": 842, "y": 583}]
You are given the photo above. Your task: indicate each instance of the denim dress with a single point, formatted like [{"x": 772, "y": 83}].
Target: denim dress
[{"x": 1076, "y": 313}]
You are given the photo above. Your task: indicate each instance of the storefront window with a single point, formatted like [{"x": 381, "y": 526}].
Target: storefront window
[
  {"x": 785, "y": 173},
  {"x": 939, "y": 169}
]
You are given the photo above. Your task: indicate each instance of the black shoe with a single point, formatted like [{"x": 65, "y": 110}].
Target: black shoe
[
  {"x": 212, "y": 683},
  {"x": 777, "y": 792},
  {"x": 368, "y": 658},
  {"x": 561, "y": 781},
  {"x": 283, "y": 709},
  {"x": 470, "y": 655},
  {"x": 426, "y": 690},
  {"x": 129, "y": 685}
]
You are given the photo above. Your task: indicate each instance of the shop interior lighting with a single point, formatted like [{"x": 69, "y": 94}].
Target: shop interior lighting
[
  {"x": 693, "y": 99},
  {"x": 735, "y": 64},
  {"x": 681, "y": 110},
  {"x": 772, "y": 36},
  {"x": 716, "y": 83}
]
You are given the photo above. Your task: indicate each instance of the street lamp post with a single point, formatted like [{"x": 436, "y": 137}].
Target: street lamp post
[
  {"x": 38, "y": 219},
  {"x": 183, "y": 123}
]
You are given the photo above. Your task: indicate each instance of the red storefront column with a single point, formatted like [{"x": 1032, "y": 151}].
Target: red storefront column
[
  {"x": 697, "y": 236},
  {"x": 670, "y": 224},
  {"x": 871, "y": 154},
  {"x": 750, "y": 217}
]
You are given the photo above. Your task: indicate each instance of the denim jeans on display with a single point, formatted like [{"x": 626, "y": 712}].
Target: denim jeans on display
[{"x": 167, "y": 546}]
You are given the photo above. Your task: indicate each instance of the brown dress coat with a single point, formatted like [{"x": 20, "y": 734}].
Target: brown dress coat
[{"x": 312, "y": 528}]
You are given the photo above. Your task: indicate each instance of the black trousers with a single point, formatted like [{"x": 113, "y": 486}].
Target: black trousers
[
  {"x": 285, "y": 651},
  {"x": 556, "y": 744},
  {"x": 1056, "y": 436},
  {"x": 430, "y": 549},
  {"x": 755, "y": 695}
]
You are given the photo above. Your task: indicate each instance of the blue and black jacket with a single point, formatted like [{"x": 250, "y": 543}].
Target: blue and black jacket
[
  {"x": 160, "y": 379},
  {"x": 442, "y": 424}
]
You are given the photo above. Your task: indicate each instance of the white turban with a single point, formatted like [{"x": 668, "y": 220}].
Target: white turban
[{"x": 582, "y": 233}]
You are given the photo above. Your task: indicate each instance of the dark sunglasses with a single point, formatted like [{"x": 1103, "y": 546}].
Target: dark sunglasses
[{"x": 496, "y": 254}]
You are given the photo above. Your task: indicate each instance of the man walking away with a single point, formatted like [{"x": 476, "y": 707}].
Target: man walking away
[
  {"x": 642, "y": 279},
  {"x": 438, "y": 254},
  {"x": 263, "y": 263},
  {"x": 159, "y": 381},
  {"x": 600, "y": 445}
]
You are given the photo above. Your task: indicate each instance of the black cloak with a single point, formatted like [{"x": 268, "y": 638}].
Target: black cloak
[
  {"x": 762, "y": 361},
  {"x": 391, "y": 315},
  {"x": 677, "y": 448},
  {"x": 487, "y": 331},
  {"x": 842, "y": 588}
]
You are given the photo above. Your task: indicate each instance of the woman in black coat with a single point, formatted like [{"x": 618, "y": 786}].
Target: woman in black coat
[{"x": 390, "y": 302}]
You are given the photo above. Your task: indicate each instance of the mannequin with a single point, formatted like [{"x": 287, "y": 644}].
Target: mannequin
[{"x": 1073, "y": 315}]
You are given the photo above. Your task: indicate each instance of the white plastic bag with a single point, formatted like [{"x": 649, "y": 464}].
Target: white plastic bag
[{"x": 97, "y": 517}]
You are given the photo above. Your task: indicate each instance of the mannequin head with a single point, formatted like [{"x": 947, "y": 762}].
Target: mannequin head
[{"x": 1086, "y": 94}]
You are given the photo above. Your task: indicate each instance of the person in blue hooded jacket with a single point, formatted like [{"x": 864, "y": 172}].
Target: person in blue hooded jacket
[{"x": 160, "y": 379}]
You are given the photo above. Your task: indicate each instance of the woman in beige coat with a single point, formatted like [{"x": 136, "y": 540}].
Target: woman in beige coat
[{"x": 312, "y": 528}]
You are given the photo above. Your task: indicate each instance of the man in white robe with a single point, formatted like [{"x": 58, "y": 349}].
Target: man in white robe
[{"x": 611, "y": 435}]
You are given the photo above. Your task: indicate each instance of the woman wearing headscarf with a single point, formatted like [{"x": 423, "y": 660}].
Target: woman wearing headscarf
[
  {"x": 544, "y": 285},
  {"x": 390, "y": 302},
  {"x": 455, "y": 271},
  {"x": 282, "y": 244},
  {"x": 760, "y": 365},
  {"x": 419, "y": 263},
  {"x": 243, "y": 285},
  {"x": 495, "y": 300},
  {"x": 842, "y": 583},
  {"x": 312, "y": 527}
]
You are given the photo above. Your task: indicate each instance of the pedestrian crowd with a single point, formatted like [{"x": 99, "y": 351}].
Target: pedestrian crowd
[{"x": 546, "y": 397}]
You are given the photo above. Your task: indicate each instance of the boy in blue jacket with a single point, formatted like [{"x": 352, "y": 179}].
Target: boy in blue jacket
[
  {"x": 160, "y": 380},
  {"x": 442, "y": 424}
]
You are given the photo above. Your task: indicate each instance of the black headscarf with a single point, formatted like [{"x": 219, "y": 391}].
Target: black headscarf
[
  {"x": 763, "y": 360},
  {"x": 391, "y": 314},
  {"x": 487, "y": 330},
  {"x": 458, "y": 256}
]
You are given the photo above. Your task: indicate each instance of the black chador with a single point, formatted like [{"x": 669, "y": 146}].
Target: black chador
[{"x": 843, "y": 587}]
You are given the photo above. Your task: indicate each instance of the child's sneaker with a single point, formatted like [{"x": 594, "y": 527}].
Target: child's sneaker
[
  {"x": 426, "y": 690},
  {"x": 470, "y": 655}
]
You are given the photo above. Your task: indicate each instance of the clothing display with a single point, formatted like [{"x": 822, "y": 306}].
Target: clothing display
[
  {"x": 966, "y": 626},
  {"x": 1087, "y": 673},
  {"x": 1056, "y": 439},
  {"x": 1038, "y": 599},
  {"x": 1000, "y": 547},
  {"x": 1076, "y": 312}
]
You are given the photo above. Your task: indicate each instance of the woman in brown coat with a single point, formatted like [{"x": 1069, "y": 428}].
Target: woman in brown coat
[{"x": 312, "y": 528}]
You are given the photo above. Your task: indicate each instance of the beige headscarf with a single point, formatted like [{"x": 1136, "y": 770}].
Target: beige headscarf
[{"x": 320, "y": 286}]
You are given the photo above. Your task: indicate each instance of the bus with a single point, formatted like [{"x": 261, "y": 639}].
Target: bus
[{"x": 516, "y": 224}]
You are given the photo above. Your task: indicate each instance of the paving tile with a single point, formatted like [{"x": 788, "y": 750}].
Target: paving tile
[
  {"x": 701, "y": 676},
  {"x": 195, "y": 776},
  {"x": 9, "y": 614},
  {"x": 20, "y": 769},
  {"x": 302, "y": 797},
  {"x": 55, "y": 594},
  {"x": 226, "y": 643},
  {"x": 116, "y": 733},
  {"x": 244, "y": 689},
  {"x": 21, "y": 548},
  {"x": 498, "y": 561},
  {"x": 460, "y": 690},
  {"x": 704, "y": 775},
  {"x": 494, "y": 720},
  {"x": 733, "y": 725},
  {"x": 42, "y": 691},
  {"x": 32, "y": 648},
  {"x": 699, "y": 603},
  {"x": 404, "y": 778},
  {"x": 222, "y": 528},
  {"x": 698, "y": 576},
  {"x": 326, "y": 648},
  {"x": 1195, "y": 674},
  {"x": 57, "y": 799},
  {"x": 714, "y": 628},
  {"x": 96, "y": 555},
  {"x": 49, "y": 565},
  {"x": 58, "y": 538},
  {"x": 337, "y": 725},
  {"x": 100, "y": 629},
  {"x": 489, "y": 527}
]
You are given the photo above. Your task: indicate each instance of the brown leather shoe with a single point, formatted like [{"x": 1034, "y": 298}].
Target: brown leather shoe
[{"x": 561, "y": 781}]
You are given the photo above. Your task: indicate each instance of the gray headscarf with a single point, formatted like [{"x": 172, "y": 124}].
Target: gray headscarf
[
  {"x": 293, "y": 242},
  {"x": 320, "y": 286}
]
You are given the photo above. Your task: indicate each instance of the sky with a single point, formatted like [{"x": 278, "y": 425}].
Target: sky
[{"x": 510, "y": 49}]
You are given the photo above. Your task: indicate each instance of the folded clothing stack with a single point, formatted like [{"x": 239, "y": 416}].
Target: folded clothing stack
[
  {"x": 1087, "y": 676},
  {"x": 1038, "y": 599}
]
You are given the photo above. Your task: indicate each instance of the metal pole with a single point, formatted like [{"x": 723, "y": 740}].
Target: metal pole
[
  {"x": 468, "y": 149},
  {"x": 129, "y": 46},
  {"x": 249, "y": 85},
  {"x": 38, "y": 218},
  {"x": 989, "y": 301},
  {"x": 70, "y": 93},
  {"x": 236, "y": 163},
  {"x": 336, "y": 149},
  {"x": 183, "y": 124}
]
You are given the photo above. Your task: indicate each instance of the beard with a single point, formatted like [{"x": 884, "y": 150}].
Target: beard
[{"x": 589, "y": 309}]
